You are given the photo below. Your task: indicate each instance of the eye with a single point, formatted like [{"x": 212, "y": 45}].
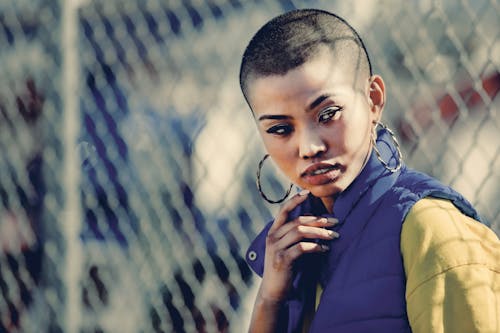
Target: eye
[
  {"x": 280, "y": 130},
  {"x": 332, "y": 112}
]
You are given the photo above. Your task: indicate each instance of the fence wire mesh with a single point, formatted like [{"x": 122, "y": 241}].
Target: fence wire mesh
[{"x": 138, "y": 221}]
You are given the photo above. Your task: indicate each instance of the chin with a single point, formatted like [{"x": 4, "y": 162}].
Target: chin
[
  {"x": 330, "y": 189},
  {"x": 325, "y": 191}
]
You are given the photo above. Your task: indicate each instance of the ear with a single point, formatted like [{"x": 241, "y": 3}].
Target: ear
[{"x": 376, "y": 96}]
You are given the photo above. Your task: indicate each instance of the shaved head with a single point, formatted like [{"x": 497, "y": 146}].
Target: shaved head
[{"x": 291, "y": 39}]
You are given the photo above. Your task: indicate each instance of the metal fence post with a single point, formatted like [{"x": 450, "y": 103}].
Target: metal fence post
[{"x": 71, "y": 216}]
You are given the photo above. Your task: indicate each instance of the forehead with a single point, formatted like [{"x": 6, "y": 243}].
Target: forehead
[{"x": 322, "y": 73}]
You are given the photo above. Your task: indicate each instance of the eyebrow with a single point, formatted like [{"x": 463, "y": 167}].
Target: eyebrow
[
  {"x": 318, "y": 101},
  {"x": 314, "y": 104},
  {"x": 273, "y": 117}
]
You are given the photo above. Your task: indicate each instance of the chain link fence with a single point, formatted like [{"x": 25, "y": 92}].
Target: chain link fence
[{"x": 127, "y": 154}]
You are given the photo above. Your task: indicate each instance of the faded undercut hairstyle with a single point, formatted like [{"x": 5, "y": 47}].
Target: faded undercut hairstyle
[{"x": 289, "y": 40}]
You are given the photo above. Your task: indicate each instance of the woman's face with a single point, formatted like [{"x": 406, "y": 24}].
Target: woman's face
[{"x": 316, "y": 123}]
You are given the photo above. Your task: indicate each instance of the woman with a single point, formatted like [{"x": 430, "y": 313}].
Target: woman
[{"x": 368, "y": 245}]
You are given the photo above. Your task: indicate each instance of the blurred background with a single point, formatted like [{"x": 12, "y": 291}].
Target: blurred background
[{"x": 128, "y": 155}]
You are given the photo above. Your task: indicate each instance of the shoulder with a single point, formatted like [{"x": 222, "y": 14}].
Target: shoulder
[
  {"x": 414, "y": 186},
  {"x": 436, "y": 237},
  {"x": 444, "y": 221},
  {"x": 452, "y": 266}
]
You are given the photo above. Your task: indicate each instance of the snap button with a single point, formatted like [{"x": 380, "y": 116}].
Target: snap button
[{"x": 252, "y": 255}]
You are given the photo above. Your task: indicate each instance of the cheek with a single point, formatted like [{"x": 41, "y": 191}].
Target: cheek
[
  {"x": 354, "y": 143},
  {"x": 360, "y": 129},
  {"x": 282, "y": 153},
  {"x": 278, "y": 151},
  {"x": 270, "y": 143},
  {"x": 357, "y": 141}
]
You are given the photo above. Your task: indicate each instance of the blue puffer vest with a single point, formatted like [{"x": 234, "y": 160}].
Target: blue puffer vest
[{"x": 362, "y": 275}]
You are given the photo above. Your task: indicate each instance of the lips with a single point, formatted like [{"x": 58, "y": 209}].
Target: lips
[
  {"x": 321, "y": 173},
  {"x": 319, "y": 168}
]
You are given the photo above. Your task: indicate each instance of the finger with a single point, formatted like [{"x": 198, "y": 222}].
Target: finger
[
  {"x": 287, "y": 207},
  {"x": 313, "y": 221},
  {"x": 302, "y": 232},
  {"x": 299, "y": 249},
  {"x": 318, "y": 221}
]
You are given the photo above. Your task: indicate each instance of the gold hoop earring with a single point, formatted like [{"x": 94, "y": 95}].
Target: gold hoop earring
[
  {"x": 259, "y": 187},
  {"x": 396, "y": 144}
]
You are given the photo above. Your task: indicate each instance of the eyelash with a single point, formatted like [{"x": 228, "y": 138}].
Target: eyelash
[
  {"x": 280, "y": 130},
  {"x": 285, "y": 129},
  {"x": 331, "y": 112}
]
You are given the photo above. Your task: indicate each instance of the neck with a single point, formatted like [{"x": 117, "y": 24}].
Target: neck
[
  {"x": 318, "y": 206},
  {"x": 328, "y": 204}
]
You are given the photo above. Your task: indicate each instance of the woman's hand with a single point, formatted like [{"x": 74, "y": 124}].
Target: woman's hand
[{"x": 285, "y": 243}]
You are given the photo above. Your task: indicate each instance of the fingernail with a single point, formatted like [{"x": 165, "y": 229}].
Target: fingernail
[
  {"x": 325, "y": 247},
  {"x": 304, "y": 192},
  {"x": 327, "y": 221},
  {"x": 333, "y": 234},
  {"x": 332, "y": 220}
]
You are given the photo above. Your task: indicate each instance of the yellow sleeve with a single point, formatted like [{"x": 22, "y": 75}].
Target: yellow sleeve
[{"x": 452, "y": 266}]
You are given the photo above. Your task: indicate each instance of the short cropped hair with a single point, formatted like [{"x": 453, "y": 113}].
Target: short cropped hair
[{"x": 289, "y": 40}]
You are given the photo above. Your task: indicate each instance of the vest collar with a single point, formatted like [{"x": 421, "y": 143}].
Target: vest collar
[{"x": 373, "y": 180}]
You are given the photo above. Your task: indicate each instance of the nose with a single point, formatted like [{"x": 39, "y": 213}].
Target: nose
[{"x": 311, "y": 145}]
